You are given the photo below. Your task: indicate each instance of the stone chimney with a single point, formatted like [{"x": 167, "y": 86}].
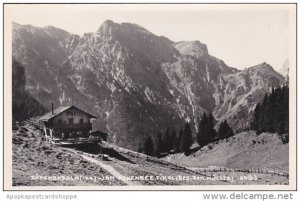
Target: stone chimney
[{"x": 52, "y": 109}]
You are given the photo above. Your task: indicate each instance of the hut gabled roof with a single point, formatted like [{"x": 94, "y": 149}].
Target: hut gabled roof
[{"x": 61, "y": 109}]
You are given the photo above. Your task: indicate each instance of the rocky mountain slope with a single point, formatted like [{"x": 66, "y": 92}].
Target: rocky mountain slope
[
  {"x": 284, "y": 70},
  {"x": 137, "y": 83}
]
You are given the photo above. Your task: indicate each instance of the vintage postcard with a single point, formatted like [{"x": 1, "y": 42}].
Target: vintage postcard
[{"x": 149, "y": 97}]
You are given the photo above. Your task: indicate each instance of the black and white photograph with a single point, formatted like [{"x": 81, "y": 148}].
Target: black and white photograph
[{"x": 150, "y": 96}]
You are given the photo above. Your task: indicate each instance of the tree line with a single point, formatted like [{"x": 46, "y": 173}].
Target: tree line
[
  {"x": 181, "y": 141},
  {"x": 272, "y": 114}
]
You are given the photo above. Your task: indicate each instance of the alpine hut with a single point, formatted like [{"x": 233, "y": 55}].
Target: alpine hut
[{"x": 66, "y": 122}]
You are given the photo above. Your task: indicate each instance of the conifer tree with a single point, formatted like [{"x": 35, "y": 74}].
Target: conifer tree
[
  {"x": 206, "y": 132},
  {"x": 172, "y": 140},
  {"x": 255, "y": 124},
  {"x": 202, "y": 135},
  {"x": 211, "y": 130},
  {"x": 187, "y": 138},
  {"x": 176, "y": 142},
  {"x": 159, "y": 146},
  {"x": 149, "y": 147},
  {"x": 167, "y": 141},
  {"x": 272, "y": 115},
  {"x": 224, "y": 130}
]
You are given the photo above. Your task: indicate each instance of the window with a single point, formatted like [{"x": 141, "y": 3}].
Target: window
[
  {"x": 70, "y": 114},
  {"x": 59, "y": 121},
  {"x": 81, "y": 121}
]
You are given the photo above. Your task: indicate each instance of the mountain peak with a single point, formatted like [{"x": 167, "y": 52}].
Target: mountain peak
[
  {"x": 107, "y": 22},
  {"x": 108, "y": 26},
  {"x": 28, "y": 27},
  {"x": 263, "y": 65},
  {"x": 194, "y": 48},
  {"x": 15, "y": 23},
  {"x": 284, "y": 70},
  {"x": 264, "y": 68},
  {"x": 137, "y": 77}
]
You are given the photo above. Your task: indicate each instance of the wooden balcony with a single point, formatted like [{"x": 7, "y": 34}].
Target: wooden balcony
[{"x": 72, "y": 126}]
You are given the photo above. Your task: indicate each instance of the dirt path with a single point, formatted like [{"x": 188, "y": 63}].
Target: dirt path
[{"x": 109, "y": 169}]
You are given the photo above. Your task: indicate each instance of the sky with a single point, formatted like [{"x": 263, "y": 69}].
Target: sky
[{"x": 241, "y": 35}]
